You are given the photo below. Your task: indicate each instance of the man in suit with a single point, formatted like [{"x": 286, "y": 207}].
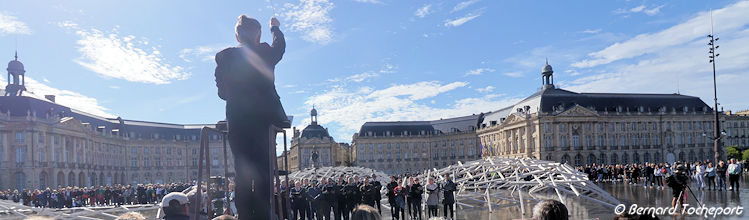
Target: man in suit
[{"x": 245, "y": 79}]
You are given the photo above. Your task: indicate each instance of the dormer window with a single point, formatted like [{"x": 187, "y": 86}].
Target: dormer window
[
  {"x": 619, "y": 109},
  {"x": 642, "y": 109},
  {"x": 686, "y": 109}
]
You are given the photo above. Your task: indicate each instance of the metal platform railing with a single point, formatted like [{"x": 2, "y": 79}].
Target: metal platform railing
[{"x": 204, "y": 154}]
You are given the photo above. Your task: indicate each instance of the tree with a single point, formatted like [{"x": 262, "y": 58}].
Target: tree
[
  {"x": 733, "y": 152},
  {"x": 745, "y": 155}
]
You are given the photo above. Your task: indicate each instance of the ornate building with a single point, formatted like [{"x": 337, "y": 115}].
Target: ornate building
[
  {"x": 315, "y": 140},
  {"x": 45, "y": 144},
  {"x": 735, "y": 127},
  {"x": 586, "y": 128},
  {"x": 414, "y": 146}
]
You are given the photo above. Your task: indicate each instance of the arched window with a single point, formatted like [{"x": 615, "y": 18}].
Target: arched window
[
  {"x": 625, "y": 158},
  {"x": 636, "y": 158},
  {"x": 681, "y": 156},
  {"x": 657, "y": 157},
  {"x": 692, "y": 156},
  {"x": 646, "y": 157},
  {"x": 614, "y": 158},
  {"x": 602, "y": 159},
  {"x": 578, "y": 160},
  {"x": 591, "y": 159},
  {"x": 20, "y": 181},
  {"x": 566, "y": 158}
]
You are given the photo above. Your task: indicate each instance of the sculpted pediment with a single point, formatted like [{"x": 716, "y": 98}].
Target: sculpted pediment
[
  {"x": 513, "y": 118},
  {"x": 72, "y": 123},
  {"x": 578, "y": 110}
]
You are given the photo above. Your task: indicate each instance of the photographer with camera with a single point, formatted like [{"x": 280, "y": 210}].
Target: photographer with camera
[{"x": 678, "y": 182}]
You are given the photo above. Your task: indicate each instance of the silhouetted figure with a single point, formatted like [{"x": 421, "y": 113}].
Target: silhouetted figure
[{"x": 245, "y": 79}]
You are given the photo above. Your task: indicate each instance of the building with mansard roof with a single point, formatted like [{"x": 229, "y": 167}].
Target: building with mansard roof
[
  {"x": 399, "y": 147},
  {"x": 46, "y": 144},
  {"x": 602, "y": 128}
]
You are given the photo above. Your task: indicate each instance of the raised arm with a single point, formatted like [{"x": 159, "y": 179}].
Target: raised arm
[{"x": 279, "y": 42}]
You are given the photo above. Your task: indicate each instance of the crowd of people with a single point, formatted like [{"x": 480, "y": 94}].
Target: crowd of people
[
  {"x": 325, "y": 198},
  {"x": 704, "y": 174},
  {"x": 69, "y": 197}
]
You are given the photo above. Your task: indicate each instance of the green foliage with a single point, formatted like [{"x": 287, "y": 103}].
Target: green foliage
[
  {"x": 733, "y": 152},
  {"x": 745, "y": 155}
]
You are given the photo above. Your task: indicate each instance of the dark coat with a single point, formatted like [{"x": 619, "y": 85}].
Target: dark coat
[
  {"x": 245, "y": 79},
  {"x": 449, "y": 197}
]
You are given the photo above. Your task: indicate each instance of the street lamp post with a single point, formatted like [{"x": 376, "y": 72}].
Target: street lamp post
[{"x": 712, "y": 56}]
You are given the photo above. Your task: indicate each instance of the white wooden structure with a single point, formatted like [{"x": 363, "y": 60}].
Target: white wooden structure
[
  {"x": 504, "y": 182},
  {"x": 11, "y": 210},
  {"x": 335, "y": 172}
]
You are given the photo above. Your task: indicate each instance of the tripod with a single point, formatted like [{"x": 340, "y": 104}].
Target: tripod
[{"x": 695, "y": 197}]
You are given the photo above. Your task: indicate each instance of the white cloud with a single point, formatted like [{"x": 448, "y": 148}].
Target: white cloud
[
  {"x": 640, "y": 9},
  {"x": 11, "y": 25},
  {"x": 387, "y": 68},
  {"x": 423, "y": 11},
  {"x": 64, "y": 97},
  {"x": 370, "y": 1},
  {"x": 362, "y": 76},
  {"x": 462, "y": 20},
  {"x": 654, "y": 11},
  {"x": 682, "y": 65},
  {"x": 478, "y": 71},
  {"x": 485, "y": 89},
  {"x": 203, "y": 53},
  {"x": 464, "y": 4},
  {"x": 349, "y": 109},
  {"x": 311, "y": 17},
  {"x": 589, "y": 31},
  {"x": 515, "y": 74},
  {"x": 122, "y": 57},
  {"x": 729, "y": 18}
]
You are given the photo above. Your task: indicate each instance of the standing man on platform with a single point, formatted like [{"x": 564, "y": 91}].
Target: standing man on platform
[
  {"x": 245, "y": 79},
  {"x": 378, "y": 195}
]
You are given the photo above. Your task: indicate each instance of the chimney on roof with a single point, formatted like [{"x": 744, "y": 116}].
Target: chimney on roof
[{"x": 51, "y": 98}]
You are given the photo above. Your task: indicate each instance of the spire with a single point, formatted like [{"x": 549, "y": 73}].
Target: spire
[
  {"x": 16, "y": 55},
  {"x": 547, "y": 61}
]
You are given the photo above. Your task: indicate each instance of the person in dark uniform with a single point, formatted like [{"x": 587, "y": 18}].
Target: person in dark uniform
[
  {"x": 391, "y": 196},
  {"x": 341, "y": 213},
  {"x": 330, "y": 194},
  {"x": 378, "y": 195},
  {"x": 414, "y": 198},
  {"x": 245, "y": 79},
  {"x": 449, "y": 197},
  {"x": 298, "y": 201},
  {"x": 367, "y": 193},
  {"x": 353, "y": 196},
  {"x": 317, "y": 201}
]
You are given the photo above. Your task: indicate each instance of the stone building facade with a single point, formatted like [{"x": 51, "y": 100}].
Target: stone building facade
[
  {"x": 314, "y": 139},
  {"x": 609, "y": 128},
  {"x": 415, "y": 146},
  {"x": 45, "y": 144},
  {"x": 735, "y": 128}
]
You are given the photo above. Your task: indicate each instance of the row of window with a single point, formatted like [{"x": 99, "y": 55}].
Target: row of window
[
  {"x": 632, "y": 126},
  {"x": 407, "y": 155},
  {"x": 635, "y": 158},
  {"x": 408, "y": 145}
]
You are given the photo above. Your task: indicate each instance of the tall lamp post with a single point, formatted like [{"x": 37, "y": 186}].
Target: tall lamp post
[{"x": 712, "y": 56}]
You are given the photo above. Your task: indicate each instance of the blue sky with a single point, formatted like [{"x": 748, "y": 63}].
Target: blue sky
[{"x": 373, "y": 60}]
